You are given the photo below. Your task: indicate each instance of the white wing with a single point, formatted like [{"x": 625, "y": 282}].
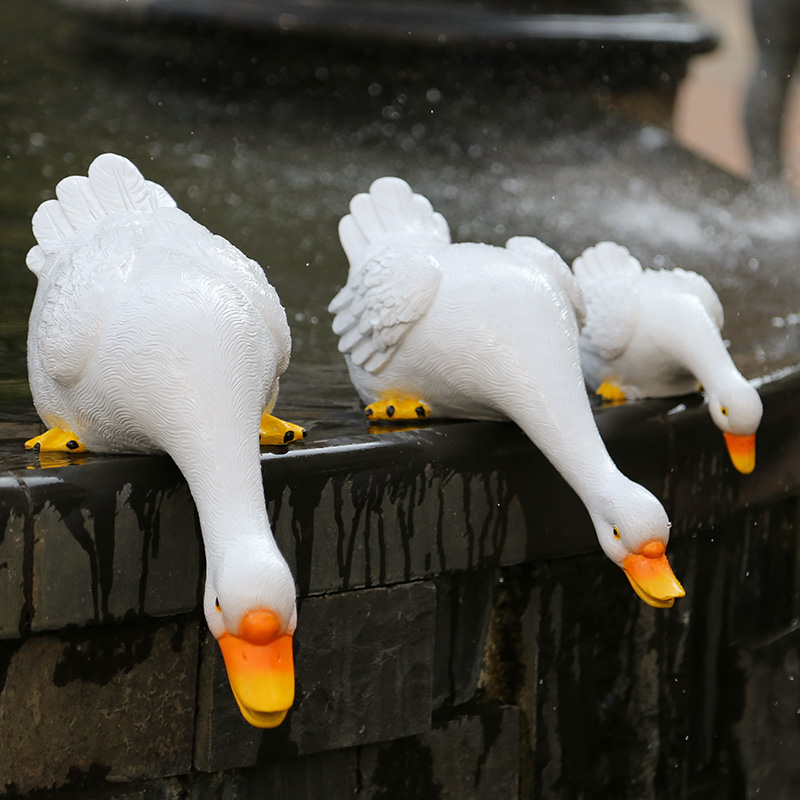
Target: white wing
[
  {"x": 390, "y": 237},
  {"x": 381, "y": 302},
  {"x": 65, "y": 347},
  {"x": 607, "y": 274},
  {"x": 63, "y": 233},
  {"x": 693, "y": 283}
]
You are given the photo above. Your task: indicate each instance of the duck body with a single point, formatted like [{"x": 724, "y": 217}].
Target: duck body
[
  {"x": 657, "y": 333},
  {"x": 118, "y": 346},
  {"x": 150, "y": 334},
  {"x": 646, "y": 367},
  {"x": 471, "y": 326},
  {"x": 434, "y": 329}
]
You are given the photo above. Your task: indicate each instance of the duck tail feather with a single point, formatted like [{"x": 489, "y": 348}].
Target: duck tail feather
[
  {"x": 51, "y": 226},
  {"x": 114, "y": 184},
  {"x": 119, "y": 186},
  {"x": 605, "y": 261},
  {"x": 390, "y": 213},
  {"x": 353, "y": 240},
  {"x": 159, "y": 196},
  {"x": 36, "y": 259}
]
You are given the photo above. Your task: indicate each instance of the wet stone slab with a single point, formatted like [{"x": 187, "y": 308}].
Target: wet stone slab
[
  {"x": 626, "y": 701},
  {"x": 364, "y": 672},
  {"x": 96, "y": 542},
  {"x": 463, "y": 610},
  {"x": 13, "y": 557},
  {"x": 409, "y": 506},
  {"x": 101, "y": 704},
  {"x": 768, "y": 733},
  {"x": 119, "y": 535},
  {"x": 473, "y": 756},
  {"x": 593, "y": 673},
  {"x": 114, "y": 537}
]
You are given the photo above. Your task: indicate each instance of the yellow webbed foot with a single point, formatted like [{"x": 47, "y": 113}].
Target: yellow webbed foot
[
  {"x": 56, "y": 440},
  {"x": 276, "y": 431},
  {"x": 395, "y": 409},
  {"x": 610, "y": 392}
]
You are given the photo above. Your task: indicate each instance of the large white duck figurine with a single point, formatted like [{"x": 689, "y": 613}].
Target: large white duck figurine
[
  {"x": 434, "y": 329},
  {"x": 148, "y": 333},
  {"x": 656, "y": 333}
]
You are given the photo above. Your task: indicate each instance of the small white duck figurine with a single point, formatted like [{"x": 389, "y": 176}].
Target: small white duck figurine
[
  {"x": 434, "y": 329},
  {"x": 148, "y": 333},
  {"x": 656, "y": 333}
]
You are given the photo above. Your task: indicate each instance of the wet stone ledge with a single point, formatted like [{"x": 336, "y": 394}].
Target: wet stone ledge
[{"x": 460, "y": 635}]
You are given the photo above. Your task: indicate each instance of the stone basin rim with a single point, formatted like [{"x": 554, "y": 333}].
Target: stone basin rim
[{"x": 675, "y": 407}]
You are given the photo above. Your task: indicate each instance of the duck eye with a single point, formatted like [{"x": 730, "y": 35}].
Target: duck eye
[
  {"x": 724, "y": 411},
  {"x": 216, "y": 604},
  {"x": 616, "y": 532}
]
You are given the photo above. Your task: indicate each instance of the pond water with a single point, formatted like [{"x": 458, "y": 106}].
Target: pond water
[{"x": 265, "y": 138}]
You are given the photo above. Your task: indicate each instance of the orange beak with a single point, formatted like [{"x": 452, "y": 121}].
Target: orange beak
[
  {"x": 742, "y": 450},
  {"x": 652, "y": 577},
  {"x": 260, "y": 669}
]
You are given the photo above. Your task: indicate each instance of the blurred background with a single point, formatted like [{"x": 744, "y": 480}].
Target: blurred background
[
  {"x": 570, "y": 120},
  {"x": 711, "y": 105}
]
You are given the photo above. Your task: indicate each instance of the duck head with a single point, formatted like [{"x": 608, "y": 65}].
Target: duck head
[
  {"x": 736, "y": 410},
  {"x": 633, "y": 529},
  {"x": 249, "y": 604}
]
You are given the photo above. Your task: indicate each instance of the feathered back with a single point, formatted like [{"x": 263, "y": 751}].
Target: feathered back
[
  {"x": 685, "y": 281},
  {"x": 544, "y": 257},
  {"x": 390, "y": 213},
  {"x": 113, "y": 185},
  {"x": 608, "y": 276},
  {"x": 610, "y": 263}
]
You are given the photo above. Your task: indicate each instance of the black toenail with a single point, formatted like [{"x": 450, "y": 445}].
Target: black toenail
[
  {"x": 420, "y": 411},
  {"x": 368, "y": 412},
  {"x": 72, "y": 445},
  {"x": 288, "y": 436},
  {"x": 390, "y": 411}
]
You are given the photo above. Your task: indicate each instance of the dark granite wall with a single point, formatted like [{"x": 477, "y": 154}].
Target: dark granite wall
[{"x": 442, "y": 651}]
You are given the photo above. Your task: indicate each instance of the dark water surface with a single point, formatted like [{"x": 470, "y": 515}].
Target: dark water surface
[{"x": 265, "y": 139}]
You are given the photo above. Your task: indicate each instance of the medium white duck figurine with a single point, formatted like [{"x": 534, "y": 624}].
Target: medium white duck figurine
[
  {"x": 656, "y": 333},
  {"x": 434, "y": 329},
  {"x": 148, "y": 333}
]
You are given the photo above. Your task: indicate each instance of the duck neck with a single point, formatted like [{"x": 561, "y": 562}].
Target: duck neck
[
  {"x": 569, "y": 439},
  {"x": 700, "y": 348},
  {"x": 227, "y": 488}
]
